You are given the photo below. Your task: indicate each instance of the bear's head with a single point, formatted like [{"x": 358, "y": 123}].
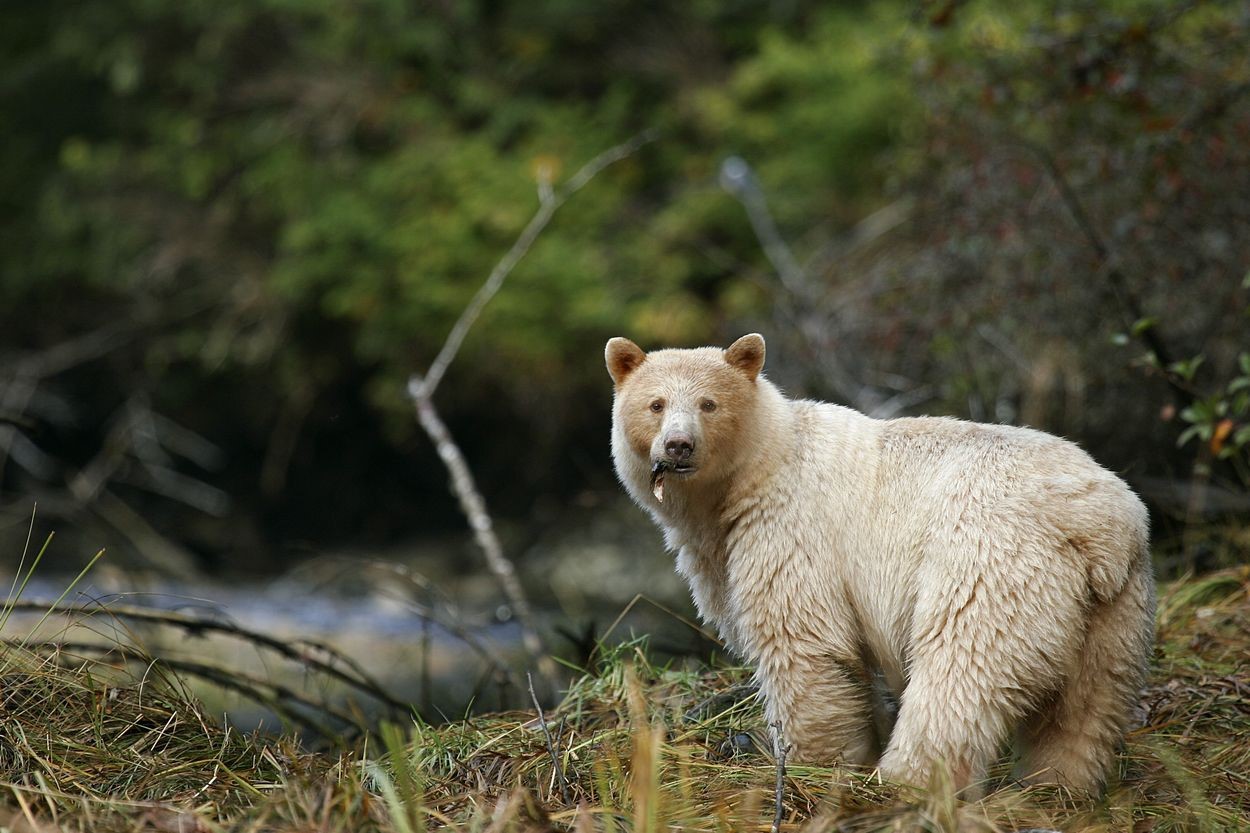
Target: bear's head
[{"x": 680, "y": 414}]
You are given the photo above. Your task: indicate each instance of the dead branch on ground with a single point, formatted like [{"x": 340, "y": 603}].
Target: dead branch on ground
[
  {"x": 302, "y": 651},
  {"x": 288, "y": 704}
]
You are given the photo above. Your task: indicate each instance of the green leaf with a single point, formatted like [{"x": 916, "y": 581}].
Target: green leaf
[
  {"x": 1187, "y": 435},
  {"x": 1186, "y": 368},
  {"x": 1141, "y": 325},
  {"x": 1202, "y": 411}
]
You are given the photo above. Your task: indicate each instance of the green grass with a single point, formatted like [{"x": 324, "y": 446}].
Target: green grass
[{"x": 98, "y": 744}]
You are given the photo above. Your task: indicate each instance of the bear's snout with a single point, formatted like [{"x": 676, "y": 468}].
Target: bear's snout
[{"x": 678, "y": 446}]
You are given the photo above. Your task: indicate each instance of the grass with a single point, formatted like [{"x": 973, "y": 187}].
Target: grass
[{"x": 102, "y": 744}]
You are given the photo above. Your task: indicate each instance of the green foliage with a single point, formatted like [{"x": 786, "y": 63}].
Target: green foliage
[
  {"x": 1222, "y": 420},
  {"x": 294, "y": 200},
  {"x": 1217, "y": 419},
  {"x": 1082, "y": 181},
  {"x": 367, "y": 169}
]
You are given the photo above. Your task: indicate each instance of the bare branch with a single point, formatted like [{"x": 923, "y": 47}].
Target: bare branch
[
  {"x": 900, "y": 402},
  {"x": 89, "y": 481},
  {"x": 26, "y": 454},
  {"x": 68, "y": 354},
  {"x": 175, "y": 485},
  {"x": 474, "y": 508},
  {"x": 1117, "y": 281},
  {"x": 131, "y": 452},
  {"x": 25, "y": 371},
  {"x": 421, "y": 390},
  {"x": 186, "y": 443},
  {"x": 267, "y": 693},
  {"x": 151, "y": 545},
  {"x": 738, "y": 179},
  {"x": 301, "y": 651},
  {"x": 806, "y": 311},
  {"x": 550, "y": 200}
]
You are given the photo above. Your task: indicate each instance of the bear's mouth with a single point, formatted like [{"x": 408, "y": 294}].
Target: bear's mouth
[{"x": 662, "y": 467}]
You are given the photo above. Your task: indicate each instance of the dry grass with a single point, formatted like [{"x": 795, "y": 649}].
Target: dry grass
[{"x": 89, "y": 745}]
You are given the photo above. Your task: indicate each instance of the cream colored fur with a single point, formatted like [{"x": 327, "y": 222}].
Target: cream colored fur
[{"x": 997, "y": 577}]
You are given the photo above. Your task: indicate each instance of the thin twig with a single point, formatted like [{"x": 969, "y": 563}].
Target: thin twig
[
  {"x": 254, "y": 689},
  {"x": 131, "y": 452},
  {"x": 1111, "y": 264},
  {"x": 549, "y": 202},
  {"x": 560, "y": 742},
  {"x": 738, "y": 179},
  {"x": 801, "y": 303},
  {"x": 485, "y": 652},
  {"x": 251, "y": 687},
  {"x": 779, "y": 752},
  {"x": 474, "y": 508},
  {"x": 23, "y": 373},
  {"x": 551, "y": 748},
  {"x": 440, "y": 611}
]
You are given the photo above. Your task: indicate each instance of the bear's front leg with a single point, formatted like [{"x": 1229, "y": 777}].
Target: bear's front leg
[{"x": 824, "y": 705}]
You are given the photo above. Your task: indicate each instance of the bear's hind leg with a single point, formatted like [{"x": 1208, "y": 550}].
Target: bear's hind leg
[
  {"x": 1073, "y": 739},
  {"x": 992, "y": 633}
]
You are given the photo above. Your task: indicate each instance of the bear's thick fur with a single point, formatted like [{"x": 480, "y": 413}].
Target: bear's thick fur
[{"x": 996, "y": 577}]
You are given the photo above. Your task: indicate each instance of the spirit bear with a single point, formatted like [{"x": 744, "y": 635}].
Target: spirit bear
[{"x": 996, "y": 578}]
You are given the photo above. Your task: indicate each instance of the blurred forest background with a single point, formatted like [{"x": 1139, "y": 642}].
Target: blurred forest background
[{"x": 230, "y": 231}]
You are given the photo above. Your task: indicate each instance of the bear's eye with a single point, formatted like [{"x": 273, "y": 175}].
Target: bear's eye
[
  {"x": 708, "y": 406},
  {"x": 657, "y": 406}
]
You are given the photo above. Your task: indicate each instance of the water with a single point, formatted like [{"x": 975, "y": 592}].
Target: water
[{"x": 417, "y": 660}]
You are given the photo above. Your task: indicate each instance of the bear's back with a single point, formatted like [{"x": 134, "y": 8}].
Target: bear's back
[
  {"x": 943, "y": 452},
  {"x": 937, "y": 473}
]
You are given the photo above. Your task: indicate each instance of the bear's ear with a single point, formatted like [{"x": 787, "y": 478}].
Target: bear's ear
[
  {"x": 623, "y": 358},
  {"x": 747, "y": 354}
]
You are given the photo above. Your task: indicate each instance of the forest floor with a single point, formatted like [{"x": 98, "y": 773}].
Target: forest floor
[{"x": 94, "y": 744}]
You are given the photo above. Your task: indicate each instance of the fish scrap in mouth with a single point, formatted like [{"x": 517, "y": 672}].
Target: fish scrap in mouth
[
  {"x": 657, "y": 478},
  {"x": 658, "y": 470}
]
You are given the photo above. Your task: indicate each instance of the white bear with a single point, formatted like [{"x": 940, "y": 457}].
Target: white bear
[{"x": 996, "y": 577}]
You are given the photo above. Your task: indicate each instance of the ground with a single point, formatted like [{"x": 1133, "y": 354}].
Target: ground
[{"x": 84, "y": 746}]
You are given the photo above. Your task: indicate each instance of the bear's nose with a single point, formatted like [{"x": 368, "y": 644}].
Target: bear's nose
[{"x": 679, "y": 446}]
